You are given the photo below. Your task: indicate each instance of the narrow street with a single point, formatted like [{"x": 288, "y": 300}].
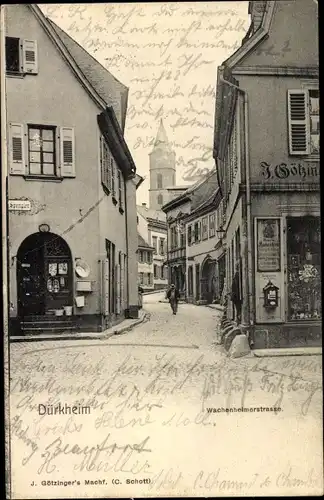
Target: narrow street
[{"x": 160, "y": 411}]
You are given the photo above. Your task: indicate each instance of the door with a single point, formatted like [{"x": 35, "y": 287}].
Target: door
[
  {"x": 44, "y": 274},
  {"x": 197, "y": 282},
  {"x": 30, "y": 280}
]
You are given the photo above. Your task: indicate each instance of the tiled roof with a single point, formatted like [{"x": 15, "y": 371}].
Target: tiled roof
[
  {"x": 151, "y": 213},
  {"x": 142, "y": 243},
  {"x": 111, "y": 90},
  {"x": 204, "y": 191}
]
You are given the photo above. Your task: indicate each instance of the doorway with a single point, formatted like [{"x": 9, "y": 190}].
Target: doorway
[
  {"x": 44, "y": 275},
  {"x": 208, "y": 280}
]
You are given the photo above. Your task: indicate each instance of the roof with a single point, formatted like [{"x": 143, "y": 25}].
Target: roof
[
  {"x": 111, "y": 90},
  {"x": 138, "y": 180},
  {"x": 204, "y": 191},
  {"x": 147, "y": 212},
  {"x": 142, "y": 243},
  {"x": 192, "y": 193},
  {"x": 162, "y": 140},
  {"x": 184, "y": 187}
]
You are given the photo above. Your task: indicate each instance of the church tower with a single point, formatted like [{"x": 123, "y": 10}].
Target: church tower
[{"x": 162, "y": 169}]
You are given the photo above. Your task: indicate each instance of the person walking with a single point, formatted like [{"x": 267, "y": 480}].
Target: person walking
[
  {"x": 173, "y": 295},
  {"x": 236, "y": 295}
]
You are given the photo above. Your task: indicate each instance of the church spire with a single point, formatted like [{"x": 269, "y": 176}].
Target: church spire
[{"x": 161, "y": 137}]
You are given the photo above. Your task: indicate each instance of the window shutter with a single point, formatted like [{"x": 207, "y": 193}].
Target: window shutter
[
  {"x": 16, "y": 149},
  {"x": 67, "y": 149},
  {"x": 298, "y": 123},
  {"x": 117, "y": 288},
  {"x": 30, "y": 57},
  {"x": 122, "y": 282},
  {"x": 105, "y": 295}
]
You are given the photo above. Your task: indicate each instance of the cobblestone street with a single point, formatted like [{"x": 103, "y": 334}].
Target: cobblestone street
[{"x": 163, "y": 400}]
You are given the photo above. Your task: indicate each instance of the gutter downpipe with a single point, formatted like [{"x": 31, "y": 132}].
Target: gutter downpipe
[{"x": 250, "y": 303}]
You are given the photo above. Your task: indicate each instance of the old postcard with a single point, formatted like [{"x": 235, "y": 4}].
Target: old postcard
[{"x": 162, "y": 249}]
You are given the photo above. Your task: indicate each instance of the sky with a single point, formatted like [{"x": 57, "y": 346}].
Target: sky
[{"x": 167, "y": 54}]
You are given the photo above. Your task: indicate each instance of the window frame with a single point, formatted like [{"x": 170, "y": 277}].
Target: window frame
[
  {"x": 204, "y": 228},
  {"x": 212, "y": 226},
  {"x": 120, "y": 191},
  {"x": 25, "y": 66},
  {"x": 41, "y": 128}
]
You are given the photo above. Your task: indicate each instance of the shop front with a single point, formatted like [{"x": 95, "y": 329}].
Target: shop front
[
  {"x": 304, "y": 269},
  {"x": 44, "y": 275},
  {"x": 288, "y": 307}
]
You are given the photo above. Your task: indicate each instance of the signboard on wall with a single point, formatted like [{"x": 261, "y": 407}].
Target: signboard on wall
[
  {"x": 268, "y": 245},
  {"x": 20, "y": 205}
]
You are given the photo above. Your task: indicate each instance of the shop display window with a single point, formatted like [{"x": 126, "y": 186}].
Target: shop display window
[{"x": 304, "y": 268}]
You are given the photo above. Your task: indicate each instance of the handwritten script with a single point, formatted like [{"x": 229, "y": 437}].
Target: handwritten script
[{"x": 167, "y": 54}]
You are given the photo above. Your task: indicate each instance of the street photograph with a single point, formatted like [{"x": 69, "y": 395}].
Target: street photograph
[{"x": 161, "y": 238}]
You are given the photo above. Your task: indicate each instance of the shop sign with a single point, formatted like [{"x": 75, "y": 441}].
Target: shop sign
[
  {"x": 268, "y": 245},
  {"x": 290, "y": 171},
  {"x": 19, "y": 205}
]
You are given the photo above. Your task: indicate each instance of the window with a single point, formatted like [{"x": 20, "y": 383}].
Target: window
[
  {"x": 162, "y": 246},
  {"x": 137, "y": 219},
  {"x": 159, "y": 181},
  {"x": 160, "y": 199},
  {"x": 141, "y": 278},
  {"x": 304, "y": 268},
  {"x": 41, "y": 150},
  {"x": 303, "y": 122},
  {"x": 12, "y": 55},
  {"x": 149, "y": 279},
  {"x": 204, "y": 228},
  {"x": 21, "y": 56},
  {"x": 197, "y": 232},
  {"x": 155, "y": 271},
  {"x": 149, "y": 257},
  {"x": 174, "y": 238},
  {"x": 182, "y": 240},
  {"x": 189, "y": 235},
  {"x": 39, "y": 142},
  {"x": 105, "y": 165},
  {"x": 190, "y": 281},
  {"x": 120, "y": 192},
  {"x": 212, "y": 225},
  {"x": 154, "y": 241},
  {"x": 113, "y": 179}
]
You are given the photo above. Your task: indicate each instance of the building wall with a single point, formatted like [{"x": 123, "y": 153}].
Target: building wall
[
  {"x": 283, "y": 184},
  {"x": 270, "y": 161},
  {"x": 200, "y": 254},
  {"x": 58, "y": 204},
  {"x": 75, "y": 208},
  {"x": 158, "y": 259},
  {"x": 284, "y": 46}
]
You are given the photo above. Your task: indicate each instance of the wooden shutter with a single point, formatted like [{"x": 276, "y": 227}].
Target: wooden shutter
[
  {"x": 117, "y": 267},
  {"x": 298, "y": 122},
  {"x": 67, "y": 149},
  {"x": 16, "y": 149},
  {"x": 199, "y": 231},
  {"x": 105, "y": 273},
  {"x": 29, "y": 56},
  {"x": 122, "y": 282}
]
